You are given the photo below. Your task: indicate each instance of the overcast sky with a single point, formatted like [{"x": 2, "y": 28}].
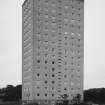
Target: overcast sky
[{"x": 11, "y": 36}]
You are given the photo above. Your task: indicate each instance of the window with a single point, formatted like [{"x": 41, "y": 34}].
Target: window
[
  {"x": 59, "y": 90},
  {"x": 38, "y": 94},
  {"x": 46, "y": 42},
  {"x": 53, "y": 55},
  {"x": 38, "y": 74},
  {"x": 65, "y": 76},
  {"x": 53, "y": 82},
  {"x": 78, "y": 20},
  {"x": 46, "y": 23},
  {"x": 72, "y": 7},
  {"x": 79, "y": 40},
  {"x": 53, "y": 4},
  {"x": 46, "y": 62},
  {"x": 59, "y": 65},
  {"x": 59, "y": 1},
  {"x": 45, "y": 75},
  {"x": 46, "y": 55},
  {"x": 46, "y": 101},
  {"x": 46, "y": 28},
  {"x": 72, "y": 20},
  {"x": 79, "y": 57},
  {"x": 72, "y": 13},
  {"x": 65, "y": 37},
  {"x": 53, "y": 49},
  {"x": 65, "y": 63},
  {"x": 72, "y": 69},
  {"x": 46, "y": 1},
  {"x": 53, "y": 42},
  {"x": 59, "y": 14},
  {"x": 79, "y": 27},
  {"x": 78, "y": 70},
  {"x": 78, "y": 76},
  {"x": 72, "y": 44},
  {"x": 45, "y": 82},
  {"x": 59, "y": 33},
  {"x": 46, "y": 34},
  {"x": 65, "y": 56},
  {"x": 39, "y": 41},
  {"x": 59, "y": 7},
  {"x": 52, "y": 95},
  {"x": 53, "y": 35},
  {"x": 38, "y": 61},
  {"x": 72, "y": 63},
  {"x": 46, "y": 8},
  {"x": 52, "y": 88},
  {"x": 78, "y": 64},
  {"x": 53, "y": 69},
  {"x": 72, "y": 75},
  {"x": 78, "y": 52},
  {"x": 78, "y": 88},
  {"x": 38, "y": 47},
  {"x": 71, "y": 94},
  {"x": 65, "y": 88},
  {"x": 59, "y": 53},
  {"x": 59, "y": 78},
  {"x": 53, "y": 75},
  {"x": 60, "y": 26},
  {"x": 46, "y": 94},
  {"x": 46, "y": 88},
  {"x": 53, "y": 62},
  {"x": 38, "y": 87},
  {"x": 78, "y": 45},
  {"x": 72, "y": 57},
  {"x": 46, "y": 47}
]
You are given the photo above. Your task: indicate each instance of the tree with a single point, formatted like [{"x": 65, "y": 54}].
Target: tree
[{"x": 11, "y": 93}]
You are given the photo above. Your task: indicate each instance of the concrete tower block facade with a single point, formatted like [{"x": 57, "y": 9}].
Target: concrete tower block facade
[{"x": 52, "y": 49}]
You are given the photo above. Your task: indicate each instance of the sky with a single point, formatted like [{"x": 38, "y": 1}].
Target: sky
[{"x": 11, "y": 43}]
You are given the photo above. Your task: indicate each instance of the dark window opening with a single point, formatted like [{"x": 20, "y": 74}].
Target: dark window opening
[
  {"x": 46, "y": 62},
  {"x": 38, "y": 94},
  {"x": 53, "y": 75},
  {"x": 38, "y": 74},
  {"x": 46, "y": 88},
  {"x": 59, "y": 90},
  {"x": 38, "y": 61},
  {"x": 53, "y": 62},
  {"x": 65, "y": 75},
  {"x": 46, "y": 82},
  {"x": 45, "y": 75},
  {"x": 53, "y": 69},
  {"x": 45, "y": 94},
  {"x": 65, "y": 88},
  {"x": 38, "y": 87},
  {"x": 53, "y": 95},
  {"x": 53, "y": 82}
]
